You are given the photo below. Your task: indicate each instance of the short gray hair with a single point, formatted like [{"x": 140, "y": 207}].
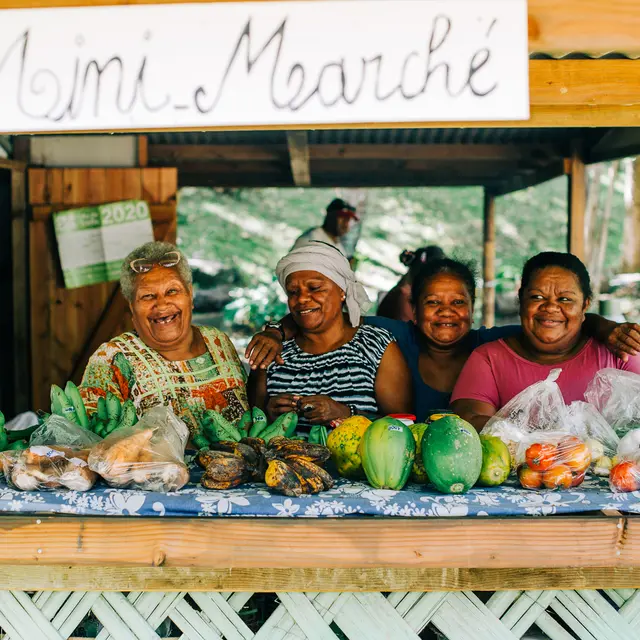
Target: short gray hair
[{"x": 152, "y": 251}]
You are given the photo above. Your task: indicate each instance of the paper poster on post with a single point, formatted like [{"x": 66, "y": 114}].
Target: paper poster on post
[
  {"x": 229, "y": 64},
  {"x": 93, "y": 241}
]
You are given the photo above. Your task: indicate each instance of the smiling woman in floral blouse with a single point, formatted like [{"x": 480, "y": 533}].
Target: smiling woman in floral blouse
[{"x": 166, "y": 360}]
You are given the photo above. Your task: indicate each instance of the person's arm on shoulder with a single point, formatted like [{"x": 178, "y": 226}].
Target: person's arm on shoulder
[
  {"x": 475, "y": 397},
  {"x": 394, "y": 388},
  {"x": 266, "y": 346},
  {"x": 622, "y": 339}
]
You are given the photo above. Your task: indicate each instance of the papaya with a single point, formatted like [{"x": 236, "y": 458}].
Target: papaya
[
  {"x": 343, "y": 443},
  {"x": 496, "y": 461},
  {"x": 418, "y": 473},
  {"x": 388, "y": 450},
  {"x": 452, "y": 454}
]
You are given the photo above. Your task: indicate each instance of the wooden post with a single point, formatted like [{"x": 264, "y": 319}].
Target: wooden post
[
  {"x": 489, "y": 261},
  {"x": 143, "y": 151},
  {"x": 577, "y": 195}
]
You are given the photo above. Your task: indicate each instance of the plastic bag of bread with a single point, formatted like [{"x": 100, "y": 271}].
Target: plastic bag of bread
[
  {"x": 57, "y": 458},
  {"x": 148, "y": 456}
]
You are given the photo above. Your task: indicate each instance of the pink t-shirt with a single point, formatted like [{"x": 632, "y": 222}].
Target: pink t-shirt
[{"x": 494, "y": 373}]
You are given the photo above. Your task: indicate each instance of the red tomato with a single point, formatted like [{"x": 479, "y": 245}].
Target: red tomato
[
  {"x": 541, "y": 456},
  {"x": 576, "y": 456},
  {"x": 529, "y": 479},
  {"x": 558, "y": 477},
  {"x": 625, "y": 477},
  {"x": 578, "y": 478}
]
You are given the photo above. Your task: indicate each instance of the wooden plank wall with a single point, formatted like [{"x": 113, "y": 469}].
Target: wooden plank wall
[{"x": 66, "y": 323}]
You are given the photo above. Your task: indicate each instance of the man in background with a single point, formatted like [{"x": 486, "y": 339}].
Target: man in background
[{"x": 340, "y": 215}]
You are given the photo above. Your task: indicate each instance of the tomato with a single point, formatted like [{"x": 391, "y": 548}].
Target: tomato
[
  {"x": 578, "y": 478},
  {"x": 529, "y": 478},
  {"x": 541, "y": 456},
  {"x": 558, "y": 477},
  {"x": 576, "y": 456},
  {"x": 625, "y": 477}
]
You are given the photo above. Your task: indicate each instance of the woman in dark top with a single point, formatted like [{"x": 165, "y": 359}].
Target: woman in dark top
[
  {"x": 438, "y": 344},
  {"x": 332, "y": 367}
]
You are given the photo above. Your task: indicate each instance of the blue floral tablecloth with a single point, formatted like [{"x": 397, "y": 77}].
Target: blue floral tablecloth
[{"x": 345, "y": 499}]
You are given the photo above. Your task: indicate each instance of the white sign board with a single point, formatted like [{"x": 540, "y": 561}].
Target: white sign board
[{"x": 262, "y": 63}]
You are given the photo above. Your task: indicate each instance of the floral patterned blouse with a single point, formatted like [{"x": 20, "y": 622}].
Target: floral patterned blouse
[{"x": 128, "y": 368}]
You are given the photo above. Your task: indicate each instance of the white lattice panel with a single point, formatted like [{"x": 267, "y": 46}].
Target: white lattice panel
[{"x": 506, "y": 615}]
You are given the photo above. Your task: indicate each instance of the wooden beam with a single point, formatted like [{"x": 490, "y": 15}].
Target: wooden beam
[
  {"x": 592, "y": 26},
  {"x": 173, "y": 154},
  {"x": 238, "y": 154},
  {"x": 21, "y": 300},
  {"x": 489, "y": 260},
  {"x": 299, "y": 543},
  {"x": 298, "y": 144},
  {"x": 143, "y": 151},
  {"x": 79, "y": 578},
  {"x": 576, "y": 202},
  {"x": 396, "y": 178}
]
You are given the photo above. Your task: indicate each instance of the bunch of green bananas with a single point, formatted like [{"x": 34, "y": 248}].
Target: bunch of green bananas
[
  {"x": 110, "y": 414},
  {"x": 214, "y": 427},
  {"x": 14, "y": 439}
]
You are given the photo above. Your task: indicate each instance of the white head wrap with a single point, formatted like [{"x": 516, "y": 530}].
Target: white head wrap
[{"x": 327, "y": 260}]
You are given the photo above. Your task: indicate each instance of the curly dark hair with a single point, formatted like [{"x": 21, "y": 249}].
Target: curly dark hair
[
  {"x": 556, "y": 259},
  {"x": 464, "y": 270}
]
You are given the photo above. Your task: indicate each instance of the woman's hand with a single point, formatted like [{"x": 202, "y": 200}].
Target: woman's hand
[
  {"x": 277, "y": 405},
  {"x": 264, "y": 348},
  {"x": 322, "y": 409},
  {"x": 624, "y": 340}
]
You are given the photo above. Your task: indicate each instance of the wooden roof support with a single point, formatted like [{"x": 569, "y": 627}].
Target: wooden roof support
[
  {"x": 170, "y": 154},
  {"x": 576, "y": 200},
  {"x": 489, "y": 260},
  {"x": 298, "y": 144}
]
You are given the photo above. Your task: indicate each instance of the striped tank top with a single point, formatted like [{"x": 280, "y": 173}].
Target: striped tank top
[{"x": 347, "y": 374}]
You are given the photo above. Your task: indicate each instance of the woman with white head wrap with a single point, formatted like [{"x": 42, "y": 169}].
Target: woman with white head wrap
[{"x": 334, "y": 367}]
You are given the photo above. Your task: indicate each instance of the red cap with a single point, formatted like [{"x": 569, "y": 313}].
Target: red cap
[{"x": 348, "y": 213}]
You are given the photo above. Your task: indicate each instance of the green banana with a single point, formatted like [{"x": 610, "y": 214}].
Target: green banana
[
  {"x": 61, "y": 405},
  {"x": 246, "y": 422},
  {"x": 200, "y": 441},
  {"x": 18, "y": 445},
  {"x": 223, "y": 429},
  {"x": 21, "y": 434},
  {"x": 2, "y": 421},
  {"x": 103, "y": 416},
  {"x": 129, "y": 416},
  {"x": 290, "y": 423},
  {"x": 318, "y": 434},
  {"x": 259, "y": 422},
  {"x": 74, "y": 397},
  {"x": 114, "y": 409}
]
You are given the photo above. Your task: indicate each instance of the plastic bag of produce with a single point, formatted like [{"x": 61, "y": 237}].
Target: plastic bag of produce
[
  {"x": 56, "y": 458},
  {"x": 616, "y": 395},
  {"x": 586, "y": 422},
  {"x": 539, "y": 407},
  {"x": 552, "y": 460},
  {"x": 148, "y": 456}
]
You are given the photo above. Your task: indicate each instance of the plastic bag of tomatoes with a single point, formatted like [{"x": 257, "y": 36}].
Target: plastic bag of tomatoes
[
  {"x": 552, "y": 460},
  {"x": 539, "y": 407}
]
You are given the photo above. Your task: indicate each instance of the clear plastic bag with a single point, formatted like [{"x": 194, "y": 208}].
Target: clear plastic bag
[
  {"x": 616, "y": 395},
  {"x": 539, "y": 407},
  {"x": 586, "y": 422},
  {"x": 552, "y": 460},
  {"x": 57, "y": 458},
  {"x": 148, "y": 456},
  {"x": 625, "y": 473}
]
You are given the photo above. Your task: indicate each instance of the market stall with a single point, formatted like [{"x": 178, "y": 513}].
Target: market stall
[{"x": 353, "y": 561}]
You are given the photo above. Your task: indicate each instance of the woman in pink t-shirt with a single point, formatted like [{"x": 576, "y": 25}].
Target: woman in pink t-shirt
[{"x": 554, "y": 297}]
